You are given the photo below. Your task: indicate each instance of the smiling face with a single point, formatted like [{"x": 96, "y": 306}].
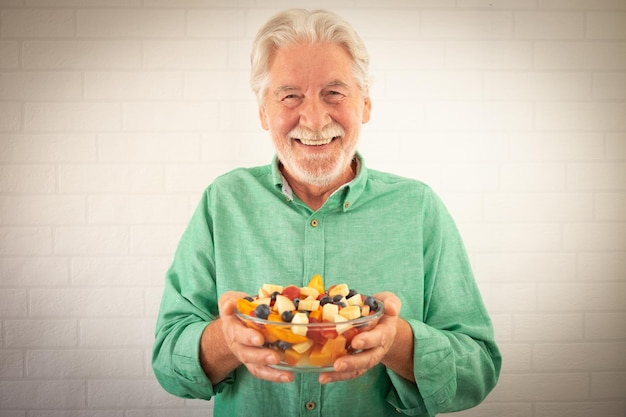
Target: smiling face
[{"x": 314, "y": 110}]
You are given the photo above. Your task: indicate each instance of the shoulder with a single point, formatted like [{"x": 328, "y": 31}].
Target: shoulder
[
  {"x": 242, "y": 176},
  {"x": 388, "y": 180}
]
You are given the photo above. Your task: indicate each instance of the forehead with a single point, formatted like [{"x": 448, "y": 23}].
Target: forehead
[{"x": 318, "y": 63}]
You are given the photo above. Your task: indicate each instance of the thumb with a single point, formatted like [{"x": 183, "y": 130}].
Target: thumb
[{"x": 391, "y": 301}]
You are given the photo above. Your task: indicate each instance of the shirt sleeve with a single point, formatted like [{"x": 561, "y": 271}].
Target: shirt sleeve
[
  {"x": 456, "y": 360},
  {"x": 188, "y": 305}
]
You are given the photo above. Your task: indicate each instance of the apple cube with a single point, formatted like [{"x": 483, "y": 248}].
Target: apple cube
[
  {"x": 309, "y": 305},
  {"x": 329, "y": 311},
  {"x": 309, "y": 292},
  {"x": 341, "y": 326},
  {"x": 264, "y": 300},
  {"x": 272, "y": 288},
  {"x": 355, "y": 300},
  {"x": 365, "y": 310},
  {"x": 283, "y": 304},
  {"x": 302, "y": 347},
  {"x": 299, "y": 318},
  {"x": 341, "y": 289},
  {"x": 351, "y": 312}
]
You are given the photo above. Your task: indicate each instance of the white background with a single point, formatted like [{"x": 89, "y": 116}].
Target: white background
[{"x": 115, "y": 114}]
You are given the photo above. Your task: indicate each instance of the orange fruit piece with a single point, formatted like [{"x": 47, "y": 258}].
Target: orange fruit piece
[
  {"x": 317, "y": 282},
  {"x": 245, "y": 307},
  {"x": 284, "y": 334},
  {"x": 291, "y": 357},
  {"x": 316, "y": 314},
  {"x": 320, "y": 358},
  {"x": 335, "y": 347}
]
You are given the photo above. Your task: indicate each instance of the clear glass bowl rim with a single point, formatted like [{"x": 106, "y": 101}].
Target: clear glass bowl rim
[{"x": 359, "y": 321}]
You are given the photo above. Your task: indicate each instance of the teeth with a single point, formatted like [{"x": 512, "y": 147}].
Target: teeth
[{"x": 316, "y": 142}]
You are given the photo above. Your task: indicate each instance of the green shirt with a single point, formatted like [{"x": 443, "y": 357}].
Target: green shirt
[{"x": 379, "y": 232}]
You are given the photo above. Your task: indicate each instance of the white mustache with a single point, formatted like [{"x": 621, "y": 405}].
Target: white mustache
[{"x": 324, "y": 135}]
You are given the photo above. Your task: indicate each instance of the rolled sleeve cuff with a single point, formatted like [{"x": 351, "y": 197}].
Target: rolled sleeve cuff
[
  {"x": 186, "y": 365},
  {"x": 434, "y": 373}
]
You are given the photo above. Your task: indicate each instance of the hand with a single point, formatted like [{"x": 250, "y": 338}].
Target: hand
[
  {"x": 374, "y": 343},
  {"x": 246, "y": 343}
]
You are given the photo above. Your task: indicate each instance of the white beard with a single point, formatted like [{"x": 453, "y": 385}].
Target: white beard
[{"x": 319, "y": 170}]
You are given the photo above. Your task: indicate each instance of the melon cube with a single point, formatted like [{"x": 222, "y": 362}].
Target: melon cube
[
  {"x": 291, "y": 357},
  {"x": 319, "y": 358},
  {"x": 335, "y": 347}
]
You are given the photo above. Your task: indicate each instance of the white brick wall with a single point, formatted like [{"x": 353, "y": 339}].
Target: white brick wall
[{"x": 114, "y": 115}]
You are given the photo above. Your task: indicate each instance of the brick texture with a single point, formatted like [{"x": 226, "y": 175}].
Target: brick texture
[{"x": 114, "y": 115}]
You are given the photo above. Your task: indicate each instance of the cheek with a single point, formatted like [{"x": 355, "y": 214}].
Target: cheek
[{"x": 283, "y": 122}]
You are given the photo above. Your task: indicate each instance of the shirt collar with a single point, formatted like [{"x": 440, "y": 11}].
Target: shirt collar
[{"x": 353, "y": 189}]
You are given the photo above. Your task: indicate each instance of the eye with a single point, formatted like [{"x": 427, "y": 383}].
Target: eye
[
  {"x": 291, "y": 100},
  {"x": 334, "y": 96}
]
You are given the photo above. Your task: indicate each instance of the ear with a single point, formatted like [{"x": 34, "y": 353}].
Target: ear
[
  {"x": 263, "y": 118},
  {"x": 367, "y": 109}
]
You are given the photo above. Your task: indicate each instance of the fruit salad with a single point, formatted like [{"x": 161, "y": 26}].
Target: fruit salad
[{"x": 309, "y": 326}]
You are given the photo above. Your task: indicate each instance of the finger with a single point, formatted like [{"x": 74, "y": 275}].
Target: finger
[
  {"x": 270, "y": 374},
  {"x": 250, "y": 355},
  {"x": 392, "y": 303},
  {"x": 360, "y": 361},
  {"x": 236, "y": 332},
  {"x": 228, "y": 302},
  {"x": 328, "y": 377},
  {"x": 381, "y": 335}
]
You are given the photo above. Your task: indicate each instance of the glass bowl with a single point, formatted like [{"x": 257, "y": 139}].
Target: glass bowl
[{"x": 311, "y": 347}]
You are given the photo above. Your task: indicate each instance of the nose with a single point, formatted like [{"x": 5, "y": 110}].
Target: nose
[{"x": 314, "y": 114}]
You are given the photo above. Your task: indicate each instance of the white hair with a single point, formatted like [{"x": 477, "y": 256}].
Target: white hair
[{"x": 303, "y": 26}]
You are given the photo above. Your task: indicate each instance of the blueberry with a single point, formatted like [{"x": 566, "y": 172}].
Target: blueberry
[
  {"x": 337, "y": 298},
  {"x": 248, "y": 298},
  {"x": 282, "y": 345},
  {"x": 296, "y": 302},
  {"x": 340, "y": 304},
  {"x": 371, "y": 302},
  {"x": 326, "y": 300},
  {"x": 287, "y": 316},
  {"x": 262, "y": 311},
  {"x": 273, "y": 296},
  {"x": 352, "y": 293}
]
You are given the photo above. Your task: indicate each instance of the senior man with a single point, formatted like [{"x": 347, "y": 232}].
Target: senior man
[{"x": 318, "y": 209}]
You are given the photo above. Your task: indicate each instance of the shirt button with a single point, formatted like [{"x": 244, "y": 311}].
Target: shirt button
[
  {"x": 347, "y": 204},
  {"x": 310, "y": 405},
  {"x": 314, "y": 223}
]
